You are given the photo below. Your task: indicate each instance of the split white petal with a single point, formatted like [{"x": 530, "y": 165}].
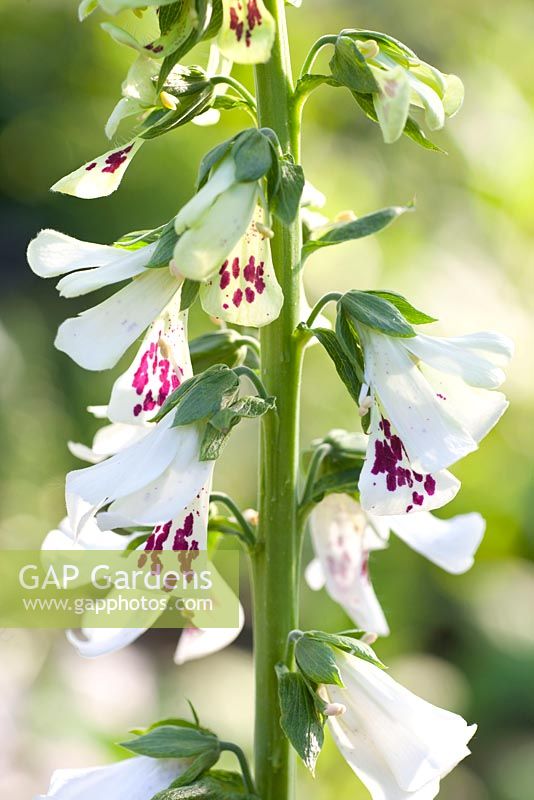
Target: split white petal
[
  {"x": 95, "y": 642},
  {"x": 197, "y": 643},
  {"x": 91, "y": 538},
  {"x": 392, "y": 103},
  {"x": 449, "y": 543},
  {"x": 101, "y": 176},
  {"x": 477, "y": 410},
  {"x": 52, "y": 253},
  {"x": 166, "y": 495},
  {"x": 138, "y": 778},
  {"x": 390, "y": 483},
  {"x": 245, "y": 290},
  {"x": 161, "y": 364},
  {"x": 399, "y": 745},
  {"x": 247, "y": 32},
  {"x": 431, "y": 437},
  {"x": 477, "y": 359},
  {"x": 107, "y": 441},
  {"x": 338, "y": 529},
  {"x": 126, "y": 472},
  {"x": 203, "y": 247},
  {"x": 128, "y": 265},
  {"x": 430, "y": 101},
  {"x": 98, "y": 337}
]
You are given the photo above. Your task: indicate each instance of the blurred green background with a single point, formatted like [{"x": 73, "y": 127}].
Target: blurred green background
[{"x": 466, "y": 257}]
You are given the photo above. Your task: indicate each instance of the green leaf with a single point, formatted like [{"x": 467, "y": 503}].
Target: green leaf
[
  {"x": 350, "y": 68},
  {"x": 355, "y": 229},
  {"x": 163, "y": 120},
  {"x": 300, "y": 719},
  {"x": 285, "y": 202},
  {"x": 375, "y": 312},
  {"x": 396, "y": 48},
  {"x": 215, "y": 785},
  {"x": 412, "y": 129},
  {"x": 212, "y": 158},
  {"x": 221, "y": 424},
  {"x": 410, "y": 314},
  {"x": 189, "y": 293},
  {"x": 345, "y": 367},
  {"x": 218, "y": 347},
  {"x": 207, "y": 395},
  {"x": 175, "y": 397},
  {"x": 316, "y": 660},
  {"x": 163, "y": 253},
  {"x": 252, "y": 154},
  {"x": 170, "y": 741},
  {"x": 136, "y": 239},
  {"x": 348, "y": 645},
  {"x": 342, "y": 481}
]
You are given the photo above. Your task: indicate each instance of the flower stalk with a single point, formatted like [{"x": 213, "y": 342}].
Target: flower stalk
[{"x": 276, "y": 560}]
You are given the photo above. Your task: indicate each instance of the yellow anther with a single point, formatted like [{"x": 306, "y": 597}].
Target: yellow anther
[
  {"x": 264, "y": 230},
  {"x": 139, "y": 11},
  {"x": 369, "y": 48},
  {"x": 168, "y": 101},
  {"x": 346, "y": 216}
]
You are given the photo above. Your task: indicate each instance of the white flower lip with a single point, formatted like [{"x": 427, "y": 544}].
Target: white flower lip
[
  {"x": 399, "y": 745},
  {"x": 137, "y": 778}
]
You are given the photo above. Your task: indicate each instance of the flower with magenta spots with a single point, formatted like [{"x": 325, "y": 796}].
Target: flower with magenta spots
[
  {"x": 247, "y": 32},
  {"x": 432, "y": 401},
  {"x": 245, "y": 290},
  {"x": 343, "y": 536},
  {"x": 101, "y": 176}
]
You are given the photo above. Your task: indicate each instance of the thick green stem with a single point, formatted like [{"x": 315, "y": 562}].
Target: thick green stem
[{"x": 276, "y": 559}]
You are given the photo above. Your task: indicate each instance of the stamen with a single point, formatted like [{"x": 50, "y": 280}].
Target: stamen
[
  {"x": 368, "y": 49},
  {"x": 369, "y": 638},
  {"x": 264, "y": 230},
  {"x": 346, "y": 216},
  {"x": 168, "y": 101},
  {"x": 334, "y": 709}
]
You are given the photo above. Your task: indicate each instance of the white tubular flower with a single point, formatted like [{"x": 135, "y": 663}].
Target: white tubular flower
[
  {"x": 245, "y": 291},
  {"x": 138, "y": 778},
  {"x": 101, "y": 176},
  {"x": 434, "y": 400},
  {"x": 342, "y": 540},
  {"x": 99, "y": 336},
  {"x": 398, "y": 745},
  {"x": 211, "y": 224},
  {"x": 343, "y": 536},
  {"x": 149, "y": 481},
  {"x": 197, "y": 643},
  {"x": 247, "y": 32}
]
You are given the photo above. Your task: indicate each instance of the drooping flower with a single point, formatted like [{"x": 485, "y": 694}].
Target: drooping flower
[
  {"x": 432, "y": 401},
  {"x": 247, "y": 32},
  {"x": 99, "y": 336},
  {"x": 245, "y": 290},
  {"x": 404, "y": 82},
  {"x": 138, "y": 778},
  {"x": 138, "y": 93},
  {"x": 398, "y": 745},
  {"x": 343, "y": 537},
  {"x": 211, "y": 224}
]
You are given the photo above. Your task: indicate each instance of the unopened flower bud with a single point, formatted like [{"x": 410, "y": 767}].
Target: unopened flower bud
[
  {"x": 168, "y": 101},
  {"x": 368, "y": 49},
  {"x": 346, "y": 216},
  {"x": 369, "y": 638},
  {"x": 264, "y": 230},
  {"x": 334, "y": 709}
]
